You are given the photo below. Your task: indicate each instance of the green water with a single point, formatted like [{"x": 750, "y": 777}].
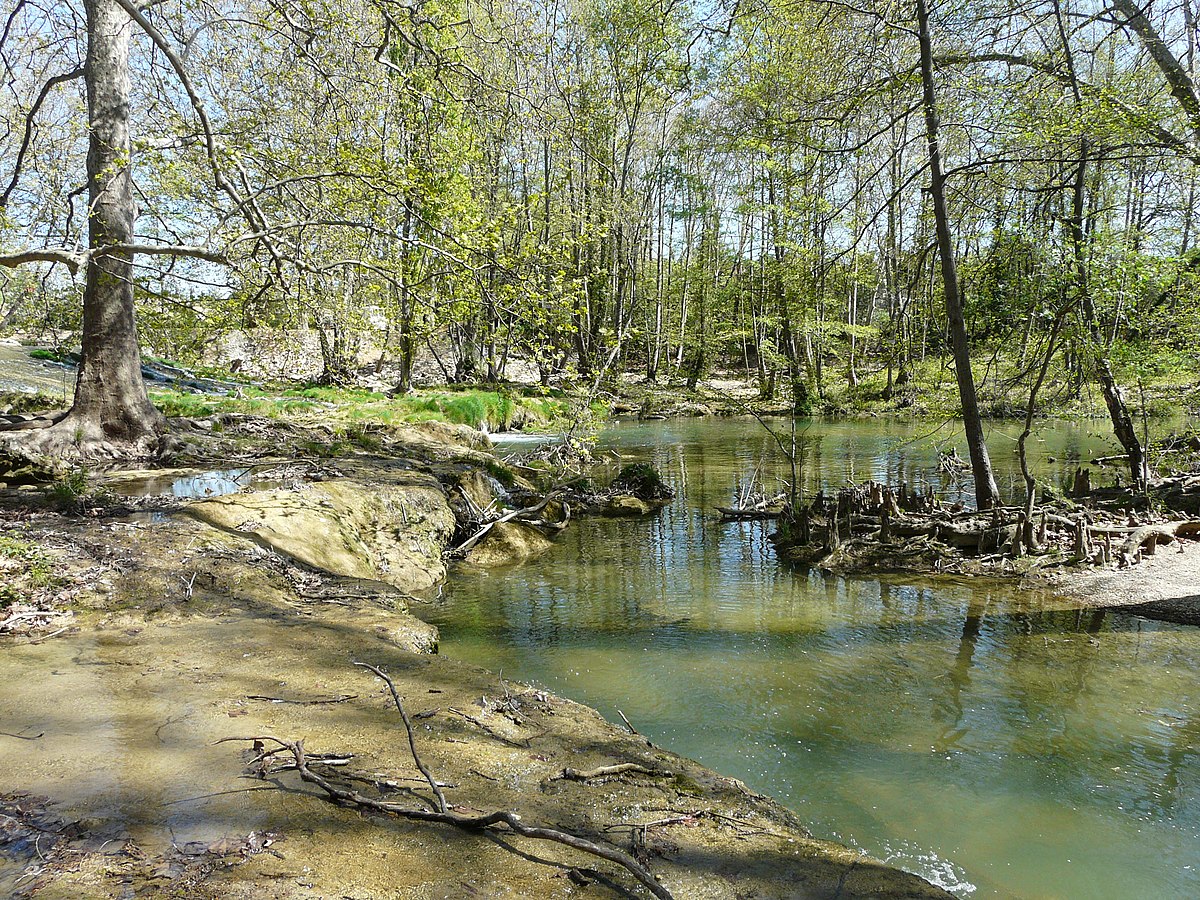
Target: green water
[{"x": 997, "y": 742}]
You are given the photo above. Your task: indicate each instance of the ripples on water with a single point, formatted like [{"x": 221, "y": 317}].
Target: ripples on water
[{"x": 997, "y": 742}]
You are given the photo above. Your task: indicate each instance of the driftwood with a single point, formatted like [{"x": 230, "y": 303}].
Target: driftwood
[
  {"x": 766, "y": 508},
  {"x": 340, "y": 698},
  {"x": 442, "y": 813},
  {"x": 1143, "y": 540},
  {"x": 951, "y": 463},
  {"x": 519, "y": 514}
]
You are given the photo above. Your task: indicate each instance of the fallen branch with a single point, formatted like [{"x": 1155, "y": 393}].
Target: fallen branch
[
  {"x": 487, "y": 729},
  {"x": 602, "y": 771},
  {"x": 25, "y": 616},
  {"x": 340, "y": 698},
  {"x": 1147, "y": 537},
  {"x": 412, "y": 742},
  {"x": 344, "y": 797},
  {"x": 507, "y": 517}
]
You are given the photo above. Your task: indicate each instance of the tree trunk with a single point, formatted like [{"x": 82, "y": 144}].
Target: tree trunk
[
  {"x": 1114, "y": 398},
  {"x": 112, "y": 413},
  {"x": 986, "y": 492},
  {"x": 1118, "y": 411}
]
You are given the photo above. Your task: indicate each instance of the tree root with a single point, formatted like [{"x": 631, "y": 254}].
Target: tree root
[
  {"x": 520, "y": 515},
  {"x": 51, "y": 445},
  {"x": 1143, "y": 539},
  {"x": 607, "y": 771},
  {"x": 442, "y": 813}
]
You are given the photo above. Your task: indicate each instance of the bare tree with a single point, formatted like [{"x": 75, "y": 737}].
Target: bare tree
[{"x": 987, "y": 494}]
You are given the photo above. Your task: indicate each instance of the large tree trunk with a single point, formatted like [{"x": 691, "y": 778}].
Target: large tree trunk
[
  {"x": 986, "y": 492},
  {"x": 112, "y": 413}
]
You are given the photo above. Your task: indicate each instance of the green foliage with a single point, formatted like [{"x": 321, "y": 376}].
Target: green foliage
[
  {"x": 36, "y": 569},
  {"x": 72, "y": 491},
  {"x": 355, "y": 408},
  {"x": 71, "y": 486},
  {"x": 643, "y": 481},
  {"x": 671, "y": 200}
]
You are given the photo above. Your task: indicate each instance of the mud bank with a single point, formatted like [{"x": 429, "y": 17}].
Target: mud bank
[{"x": 243, "y": 616}]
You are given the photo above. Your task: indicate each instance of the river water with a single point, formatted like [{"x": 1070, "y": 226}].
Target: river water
[{"x": 998, "y": 742}]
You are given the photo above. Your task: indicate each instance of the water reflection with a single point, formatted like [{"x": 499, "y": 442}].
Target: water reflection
[{"x": 994, "y": 740}]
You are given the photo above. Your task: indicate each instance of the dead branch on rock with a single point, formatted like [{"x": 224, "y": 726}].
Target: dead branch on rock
[
  {"x": 412, "y": 743},
  {"x": 340, "y": 698},
  {"x": 520, "y": 515},
  {"x": 487, "y": 729},
  {"x": 1143, "y": 540},
  {"x": 603, "y": 771},
  {"x": 691, "y": 817},
  {"x": 628, "y": 724},
  {"x": 443, "y": 815}
]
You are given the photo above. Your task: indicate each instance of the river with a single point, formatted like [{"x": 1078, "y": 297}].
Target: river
[{"x": 997, "y": 742}]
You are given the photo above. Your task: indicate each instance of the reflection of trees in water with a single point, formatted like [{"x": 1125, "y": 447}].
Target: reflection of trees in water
[
  {"x": 948, "y": 708},
  {"x": 1018, "y": 688},
  {"x": 832, "y": 453},
  {"x": 1047, "y": 659},
  {"x": 1181, "y": 750},
  {"x": 1049, "y": 668}
]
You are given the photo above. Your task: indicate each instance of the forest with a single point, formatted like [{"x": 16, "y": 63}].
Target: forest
[
  {"x": 835, "y": 201},
  {"x": 376, "y": 375}
]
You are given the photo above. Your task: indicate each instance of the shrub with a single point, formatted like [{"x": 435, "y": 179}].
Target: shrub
[{"x": 643, "y": 481}]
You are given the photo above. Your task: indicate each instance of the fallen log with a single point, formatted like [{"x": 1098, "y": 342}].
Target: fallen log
[
  {"x": 769, "y": 508},
  {"x": 1145, "y": 538}
]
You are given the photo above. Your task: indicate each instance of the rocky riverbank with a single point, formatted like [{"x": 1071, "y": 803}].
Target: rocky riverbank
[{"x": 153, "y": 627}]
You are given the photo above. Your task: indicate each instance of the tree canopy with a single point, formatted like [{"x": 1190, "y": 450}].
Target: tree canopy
[{"x": 594, "y": 186}]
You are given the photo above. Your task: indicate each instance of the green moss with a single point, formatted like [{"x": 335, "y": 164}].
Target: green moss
[
  {"x": 685, "y": 785},
  {"x": 501, "y": 472},
  {"x": 57, "y": 356},
  {"x": 20, "y": 403}
]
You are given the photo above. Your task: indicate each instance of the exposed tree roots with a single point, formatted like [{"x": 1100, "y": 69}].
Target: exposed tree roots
[
  {"x": 872, "y": 526},
  {"x": 47, "y": 444}
]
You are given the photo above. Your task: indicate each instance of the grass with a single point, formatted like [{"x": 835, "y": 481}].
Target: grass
[
  {"x": 54, "y": 356},
  {"x": 497, "y": 410}
]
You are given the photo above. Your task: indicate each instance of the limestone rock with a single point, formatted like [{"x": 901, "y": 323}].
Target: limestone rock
[
  {"x": 393, "y": 533},
  {"x": 507, "y": 543},
  {"x": 624, "y": 506}
]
